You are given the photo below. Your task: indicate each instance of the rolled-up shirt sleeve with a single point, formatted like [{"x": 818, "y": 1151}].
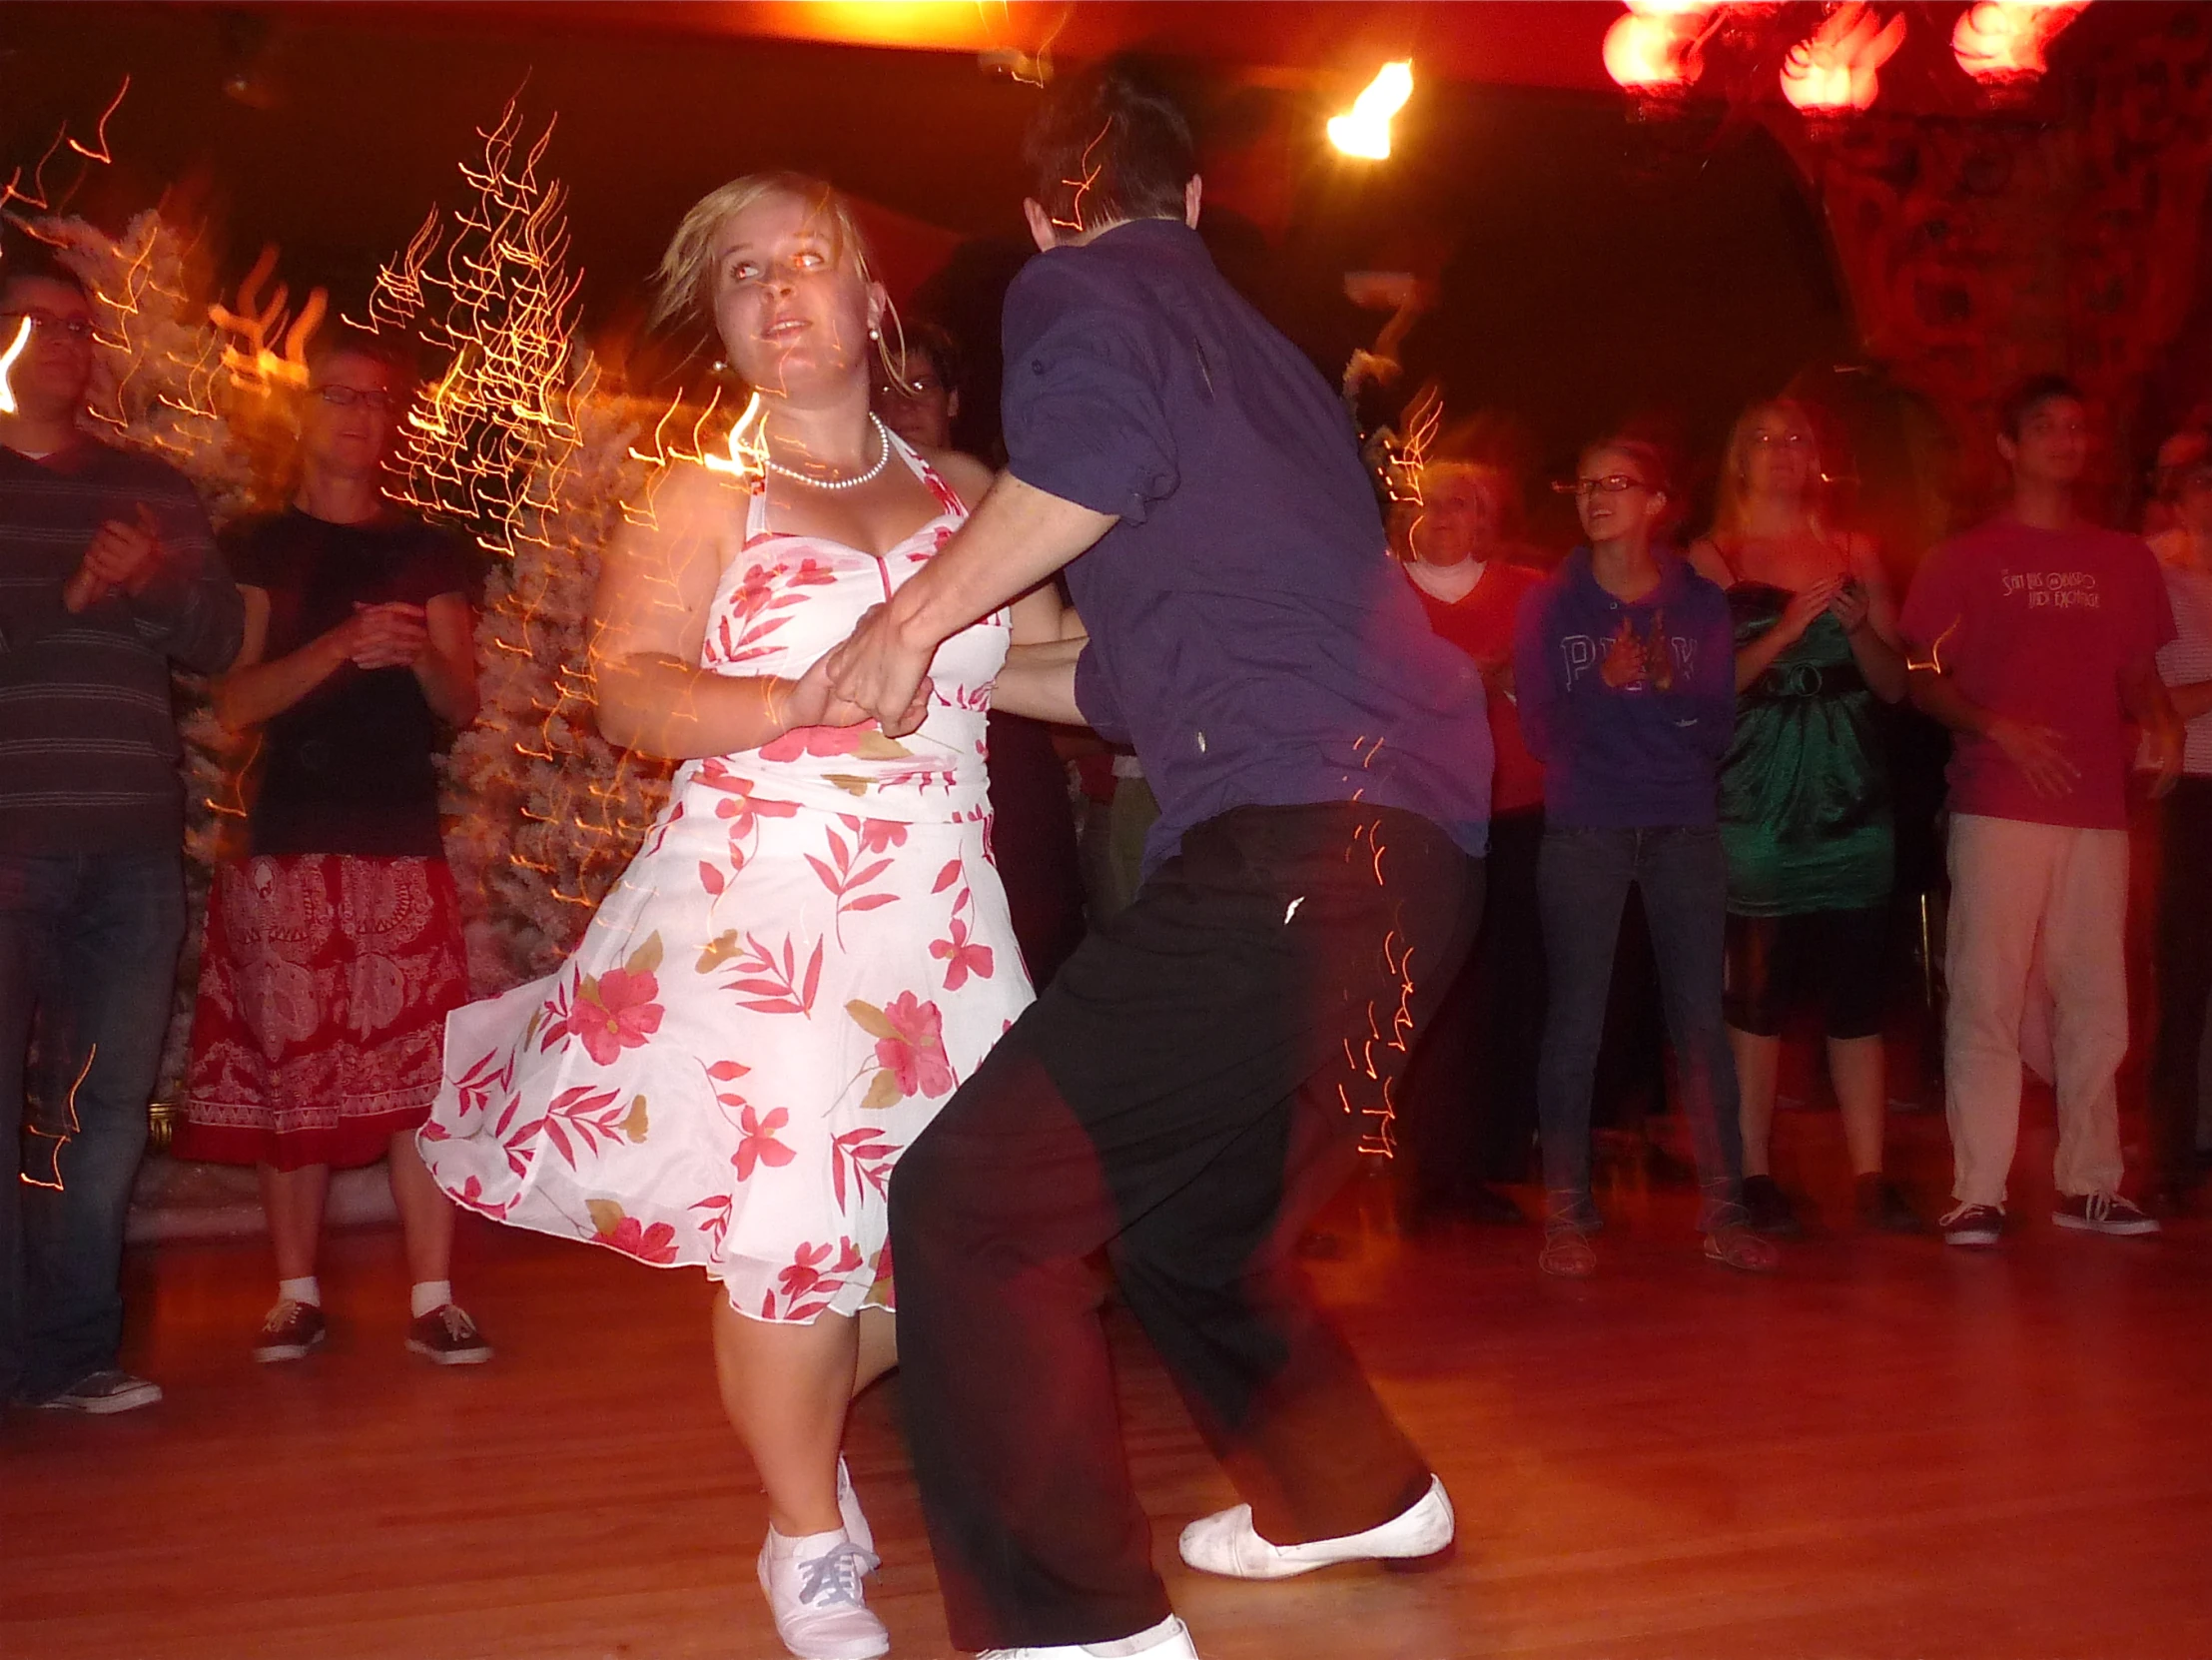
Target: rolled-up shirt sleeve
[
  {"x": 1083, "y": 412},
  {"x": 1102, "y": 710}
]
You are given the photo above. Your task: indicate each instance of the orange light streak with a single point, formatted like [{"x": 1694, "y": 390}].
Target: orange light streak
[{"x": 100, "y": 132}]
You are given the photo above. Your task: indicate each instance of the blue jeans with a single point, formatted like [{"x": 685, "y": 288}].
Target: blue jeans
[
  {"x": 87, "y": 961},
  {"x": 1582, "y": 881}
]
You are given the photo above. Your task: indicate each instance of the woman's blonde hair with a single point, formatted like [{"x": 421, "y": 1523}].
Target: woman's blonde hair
[
  {"x": 1732, "y": 504},
  {"x": 686, "y": 279}
]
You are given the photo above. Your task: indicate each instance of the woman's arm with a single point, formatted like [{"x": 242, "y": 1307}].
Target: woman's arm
[
  {"x": 1039, "y": 681},
  {"x": 655, "y": 595},
  {"x": 447, "y": 667},
  {"x": 1870, "y": 620},
  {"x": 252, "y": 691}
]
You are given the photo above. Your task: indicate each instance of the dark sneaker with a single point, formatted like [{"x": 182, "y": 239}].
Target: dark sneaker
[
  {"x": 1734, "y": 1246},
  {"x": 102, "y": 1393},
  {"x": 449, "y": 1336},
  {"x": 1770, "y": 1208},
  {"x": 1973, "y": 1224},
  {"x": 2103, "y": 1214},
  {"x": 1567, "y": 1253},
  {"x": 291, "y": 1331},
  {"x": 1883, "y": 1204}
]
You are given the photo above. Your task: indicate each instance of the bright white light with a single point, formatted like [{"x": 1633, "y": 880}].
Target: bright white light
[
  {"x": 1364, "y": 128},
  {"x": 7, "y": 366}
]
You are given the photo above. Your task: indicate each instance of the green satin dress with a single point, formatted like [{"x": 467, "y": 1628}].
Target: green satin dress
[{"x": 1805, "y": 793}]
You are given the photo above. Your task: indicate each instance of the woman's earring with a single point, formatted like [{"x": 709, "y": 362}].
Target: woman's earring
[{"x": 719, "y": 365}]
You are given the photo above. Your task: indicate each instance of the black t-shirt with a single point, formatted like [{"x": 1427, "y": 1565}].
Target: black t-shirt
[{"x": 346, "y": 769}]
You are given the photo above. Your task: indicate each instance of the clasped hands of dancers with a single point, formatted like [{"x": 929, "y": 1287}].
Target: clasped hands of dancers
[{"x": 797, "y": 1042}]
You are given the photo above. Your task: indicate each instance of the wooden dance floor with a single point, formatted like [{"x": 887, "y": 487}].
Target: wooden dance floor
[{"x": 1890, "y": 1449}]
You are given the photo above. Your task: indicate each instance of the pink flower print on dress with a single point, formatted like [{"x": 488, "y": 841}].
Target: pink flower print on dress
[
  {"x": 815, "y": 1278},
  {"x": 865, "y": 742},
  {"x": 877, "y": 835},
  {"x": 910, "y": 1049},
  {"x": 610, "y": 1012},
  {"x": 619, "y": 1230},
  {"x": 962, "y": 957},
  {"x": 615, "y": 1011},
  {"x": 757, "y": 1143}
]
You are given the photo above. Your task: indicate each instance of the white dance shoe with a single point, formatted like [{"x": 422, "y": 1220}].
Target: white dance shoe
[
  {"x": 1168, "y": 1640},
  {"x": 1226, "y": 1543},
  {"x": 813, "y": 1586}
]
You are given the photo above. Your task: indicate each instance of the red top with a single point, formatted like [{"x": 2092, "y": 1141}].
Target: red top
[
  {"x": 2038, "y": 626},
  {"x": 1481, "y": 625}
]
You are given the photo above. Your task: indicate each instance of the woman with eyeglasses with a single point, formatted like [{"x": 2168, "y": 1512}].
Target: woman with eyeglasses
[
  {"x": 334, "y": 950},
  {"x": 1622, "y": 673},
  {"x": 1805, "y": 796}
]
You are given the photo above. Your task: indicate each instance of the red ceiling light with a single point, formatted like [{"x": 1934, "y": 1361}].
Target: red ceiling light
[
  {"x": 2002, "y": 41},
  {"x": 1652, "y": 46},
  {"x": 1835, "y": 67}
]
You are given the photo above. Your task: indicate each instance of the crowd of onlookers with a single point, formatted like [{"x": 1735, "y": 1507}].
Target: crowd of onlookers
[
  {"x": 1703, "y": 724},
  {"x": 1710, "y": 727}
]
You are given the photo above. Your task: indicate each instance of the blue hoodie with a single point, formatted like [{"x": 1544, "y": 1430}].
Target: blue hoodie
[{"x": 1630, "y": 706}]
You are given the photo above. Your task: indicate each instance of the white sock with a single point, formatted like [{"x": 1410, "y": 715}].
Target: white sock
[
  {"x": 300, "y": 1290},
  {"x": 802, "y": 1544},
  {"x": 430, "y": 1295},
  {"x": 1137, "y": 1642}
]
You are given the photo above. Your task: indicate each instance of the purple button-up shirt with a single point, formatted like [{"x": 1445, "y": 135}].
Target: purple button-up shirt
[{"x": 1248, "y": 632}]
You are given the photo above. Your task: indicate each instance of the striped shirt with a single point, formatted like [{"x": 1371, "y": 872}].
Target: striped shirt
[
  {"x": 2187, "y": 658},
  {"x": 88, "y": 737}
]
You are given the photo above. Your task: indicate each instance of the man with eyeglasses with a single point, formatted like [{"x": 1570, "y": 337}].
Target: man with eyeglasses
[{"x": 108, "y": 575}]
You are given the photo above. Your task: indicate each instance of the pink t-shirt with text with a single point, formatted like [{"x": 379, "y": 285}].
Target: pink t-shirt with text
[{"x": 2037, "y": 626}]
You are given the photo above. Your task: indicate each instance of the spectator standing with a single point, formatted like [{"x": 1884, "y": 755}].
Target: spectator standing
[
  {"x": 1471, "y": 1092},
  {"x": 1624, "y": 673},
  {"x": 1805, "y": 796},
  {"x": 108, "y": 575},
  {"x": 2033, "y": 638},
  {"x": 334, "y": 950},
  {"x": 2184, "y": 927}
]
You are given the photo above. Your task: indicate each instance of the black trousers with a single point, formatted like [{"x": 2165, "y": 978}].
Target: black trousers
[
  {"x": 2184, "y": 977},
  {"x": 1187, "y": 1093}
]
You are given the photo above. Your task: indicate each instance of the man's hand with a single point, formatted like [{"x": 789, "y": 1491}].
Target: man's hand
[
  {"x": 390, "y": 635},
  {"x": 810, "y": 701},
  {"x": 2040, "y": 753},
  {"x": 2160, "y": 756},
  {"x": 124, "y": 554},
  {"x": 882, "y": 674}
]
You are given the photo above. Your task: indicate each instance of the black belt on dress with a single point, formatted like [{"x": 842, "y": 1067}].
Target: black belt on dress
[{"x": 1792, "y": 680}]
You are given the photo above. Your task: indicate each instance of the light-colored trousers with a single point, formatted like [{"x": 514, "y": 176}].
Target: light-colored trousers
[{"x": 2038, "y": 915}]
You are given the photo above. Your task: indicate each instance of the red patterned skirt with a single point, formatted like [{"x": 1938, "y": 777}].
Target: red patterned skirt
[{"x": 324, "y": 982}]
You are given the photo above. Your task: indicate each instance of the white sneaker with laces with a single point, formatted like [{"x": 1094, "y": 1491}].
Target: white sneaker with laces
[
  {"x": 813, "y": 1586},
  {"x": 1168, "y": 1640},
  {"x": 1226, "y": 1543}
]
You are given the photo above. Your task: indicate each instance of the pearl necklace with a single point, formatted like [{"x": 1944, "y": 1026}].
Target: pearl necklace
[{"x": 883, "y": 461}]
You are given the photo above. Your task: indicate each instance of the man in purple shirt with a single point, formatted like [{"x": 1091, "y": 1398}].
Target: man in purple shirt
[{"x": 1194, "y": 1084}]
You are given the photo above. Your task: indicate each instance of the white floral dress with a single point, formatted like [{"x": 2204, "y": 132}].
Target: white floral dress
[{"x": 810, "y": 951}]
